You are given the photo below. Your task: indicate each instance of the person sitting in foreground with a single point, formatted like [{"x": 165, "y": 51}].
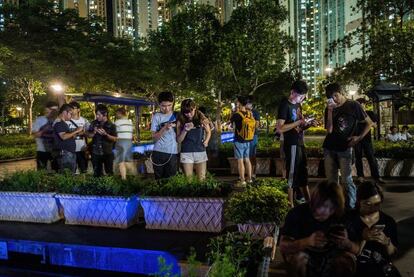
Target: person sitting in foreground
[
  {"x": 374, "y": 231},
  {"x": 313, "y": 242}
]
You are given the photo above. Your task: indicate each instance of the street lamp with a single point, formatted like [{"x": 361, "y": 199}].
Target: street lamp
[
  {"x": 57, "y": 88},
  {"x": 352, "y": 93},
  {"x": 329, "y": 70}
]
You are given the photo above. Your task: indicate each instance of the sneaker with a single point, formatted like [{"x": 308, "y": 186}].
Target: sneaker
[
  {"x": 240, "y": 184},
  {"x": 250, "y": 182}
]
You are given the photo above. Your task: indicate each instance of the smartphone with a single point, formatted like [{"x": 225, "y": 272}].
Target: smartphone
[
  {"x": 378, "y": 228},
  {"x": 168, "y": 122},
  {"x": 309, "y": 119},
  {"x": 330, "y": 101}
]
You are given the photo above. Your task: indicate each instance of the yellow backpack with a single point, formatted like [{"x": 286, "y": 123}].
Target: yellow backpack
[{"x": 248, "y": 126}]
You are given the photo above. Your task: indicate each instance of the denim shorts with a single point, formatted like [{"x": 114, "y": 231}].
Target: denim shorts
[{"x": 241, "y": 150}]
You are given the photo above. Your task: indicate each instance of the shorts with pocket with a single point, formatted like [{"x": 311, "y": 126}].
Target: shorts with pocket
[
  {"x": 193, "y": 157},
  {"x": 241, "y": 150}
]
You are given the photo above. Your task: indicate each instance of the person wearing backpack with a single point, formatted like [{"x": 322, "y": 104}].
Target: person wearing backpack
[
  {"x": 244, "y": 129},
  {"x": 291, "y": 123}
]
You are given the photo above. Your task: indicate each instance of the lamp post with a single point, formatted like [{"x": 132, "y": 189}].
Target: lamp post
[
  {"x": 329, "y": 70},
  {"x": 59, "y": 90},
  {"x": 352, "y": 93}
]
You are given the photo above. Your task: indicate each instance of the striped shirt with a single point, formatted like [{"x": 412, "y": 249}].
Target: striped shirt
[{"x": 124, "y": 128}]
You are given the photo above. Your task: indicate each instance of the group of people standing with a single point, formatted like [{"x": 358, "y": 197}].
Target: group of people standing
[{"x": 61, "y": 139}]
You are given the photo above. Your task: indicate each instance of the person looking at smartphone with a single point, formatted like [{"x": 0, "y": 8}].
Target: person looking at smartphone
[
  {"x": 374, "y": 231},
  {"x": 193, "y": 132},
  {"x": 163, "y": 124},
  {"x": 103, "y": 133},
  {"x": 341, "y": 119},
  {"x": 291, "y": 123},
  {"x": 308, "y": 243}
]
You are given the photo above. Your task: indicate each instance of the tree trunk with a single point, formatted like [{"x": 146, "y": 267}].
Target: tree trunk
[
  {"x": 218, "y": 117},
  {"x": 3, "y": 118}
]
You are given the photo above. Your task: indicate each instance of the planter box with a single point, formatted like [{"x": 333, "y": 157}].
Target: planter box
[
  {"x": 257, "y": 230},
  {"x": 183, "y": 214},
  {"x": 103, "y": 211},
  {"x": 233, "y": 166},
  {"x": 262, "y": 166},
  {"x": 29, "y": 207}
]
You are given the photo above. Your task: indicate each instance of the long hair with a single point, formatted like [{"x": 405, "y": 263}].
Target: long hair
[
  {"x": 187, "y": 106},
  {"x": 328, "y": 191}
]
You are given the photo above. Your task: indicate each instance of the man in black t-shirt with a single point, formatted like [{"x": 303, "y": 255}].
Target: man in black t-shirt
[
  {"x": 291, "y": 123},
  {"x": 103, "y": 133},
  {"x": 313, "y": 242},
  {"x": 341, "y": 119},
  {"x": 65, "y": 139},
  {"x": 365, "y": 147}
]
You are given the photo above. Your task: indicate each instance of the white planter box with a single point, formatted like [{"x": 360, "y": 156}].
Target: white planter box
[
  {"x": 183, "y": 214},
  {"x": 257, "y": 230},
  {"x": 103, "y": 211},
  {"x": 29, "y": 207}
]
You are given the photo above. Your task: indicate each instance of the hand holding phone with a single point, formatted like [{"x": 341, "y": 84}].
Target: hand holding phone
[
  {"x": 331, "y": 103},
  {"x": 378, "y": 228}
]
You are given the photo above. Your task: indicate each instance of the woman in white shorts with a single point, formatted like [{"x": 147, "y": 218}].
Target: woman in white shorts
[{"x": 193, "y": 132}]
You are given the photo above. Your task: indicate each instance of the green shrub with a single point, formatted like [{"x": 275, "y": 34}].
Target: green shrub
[
  {"x": 40, "y": 181},
  {"x": 279, "y": 184},
  {"x": 234, "y": 254},
  {"x": 258, "y": 204},
  {"x": 316, "y": 131},
  {"x": 16, "y": 152},
  {"x": 180, "y": 186},
  {"x": 395, "y": 150},
  {"x": 28, "y": 181},
  {"x": 16, "y": 139}
]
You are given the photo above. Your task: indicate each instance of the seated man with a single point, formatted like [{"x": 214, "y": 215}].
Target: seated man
[
  {"x": 394, "y": 135},
  {"x": 374, "y": 231},
  {"x": 313, "y": 242}
]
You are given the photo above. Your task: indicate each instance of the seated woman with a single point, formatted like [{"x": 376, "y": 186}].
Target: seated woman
[
  {"x": 193, "y": 132},
  {"x": 313, "y": 242},
  {"x": 374, "y": 231}
]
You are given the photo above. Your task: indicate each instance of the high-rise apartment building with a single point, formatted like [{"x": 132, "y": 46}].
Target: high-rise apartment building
[{"x": 315, "y": 25}]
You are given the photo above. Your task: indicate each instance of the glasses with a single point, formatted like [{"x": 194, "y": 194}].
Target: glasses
[{"x": 370, "y": 204}]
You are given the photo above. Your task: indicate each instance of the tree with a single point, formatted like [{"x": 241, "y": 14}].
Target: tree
[
  {"x": 386, "y": 36},
  {"x": 253, "y": 47}
]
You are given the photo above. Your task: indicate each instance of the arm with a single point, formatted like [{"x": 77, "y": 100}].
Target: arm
[
  {"x": 65, "y": 136},
  {"x": 181, "y": 132},
  {"x": 329, "y": 121},
  {"x": 355, "y": 139},
  {"x": 289, "y": 245},
  {"x": 281, "y": 127},
  {"x": 206, "y": 125}
]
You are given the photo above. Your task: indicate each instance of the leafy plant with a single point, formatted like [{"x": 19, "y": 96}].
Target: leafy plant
[
  {"x": 234, "y": 254},
  {"x": 272, "y": 182},
  {"x": 165, "y": 270},
  {"x": 259, "y": 204},
  {"x": 28, "y": 181},
  {"x": 180, "y": 185}
]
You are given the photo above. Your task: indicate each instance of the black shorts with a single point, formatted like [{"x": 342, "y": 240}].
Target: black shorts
[{"x": 296, "y": 165}]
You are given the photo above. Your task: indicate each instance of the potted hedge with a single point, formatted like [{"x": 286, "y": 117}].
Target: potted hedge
[
  {"x": 258, "y": 210},
  {"x": 105, "y": 201},
  {"x": 29, "y": 197},
  {"x": 184, "y": 204}
]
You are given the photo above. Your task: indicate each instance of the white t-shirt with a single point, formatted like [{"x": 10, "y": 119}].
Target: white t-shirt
[
  {"x": 168, "y": 142},
  {"x": 80, "y": 140},
  {"x": 406, "y": 136},
  {"x": 39, "y": 123},
  {"x": 394, "y": 137},
  {"x": 124, "y": 128}
]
